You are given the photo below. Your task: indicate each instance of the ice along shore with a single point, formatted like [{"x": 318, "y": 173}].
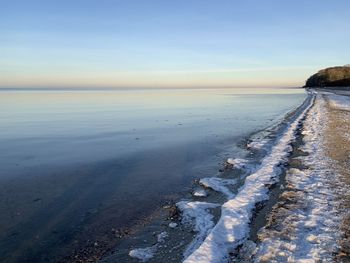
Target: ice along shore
[{"x": 308, "y": 220}]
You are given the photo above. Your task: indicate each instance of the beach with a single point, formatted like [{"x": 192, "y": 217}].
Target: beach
[
  {"x": 310, "y": 219},
  {"x": 338, "y": 144}
]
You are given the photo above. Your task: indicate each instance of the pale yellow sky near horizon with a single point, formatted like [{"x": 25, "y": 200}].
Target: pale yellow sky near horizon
[{"x": 244, "y": 77}]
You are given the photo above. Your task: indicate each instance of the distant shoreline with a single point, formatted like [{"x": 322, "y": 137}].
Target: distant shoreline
[{"x": 130, "y": 89}]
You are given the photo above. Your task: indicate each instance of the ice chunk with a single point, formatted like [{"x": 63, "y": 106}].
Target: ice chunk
[
  {"x": 200, "y": 193},
  {"x": 197, "y": 214},
  {"x": 219, "y": 184},
  {"x": 257, "y": 144},
  {"x": 143, "y": 254},
  {"x": 161, "y": 237},
  {"x": 238, "y": 163},
  {"x": 172, "y": 225}
]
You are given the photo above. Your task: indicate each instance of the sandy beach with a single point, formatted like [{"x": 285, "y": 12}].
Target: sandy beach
[{"x": 338, "y": 145}]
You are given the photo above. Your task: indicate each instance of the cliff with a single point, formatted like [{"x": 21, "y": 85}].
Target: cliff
[{"x": 330, "y": 77}]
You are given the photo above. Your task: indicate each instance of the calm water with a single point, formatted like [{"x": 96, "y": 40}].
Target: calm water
[{"x": 74, "y": 164}]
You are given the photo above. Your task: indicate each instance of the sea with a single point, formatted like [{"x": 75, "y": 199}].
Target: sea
[{"x": 80, "y": 169}]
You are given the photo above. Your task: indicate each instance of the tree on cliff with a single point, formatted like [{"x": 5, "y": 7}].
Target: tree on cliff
[{"x": 331, "y": 77}]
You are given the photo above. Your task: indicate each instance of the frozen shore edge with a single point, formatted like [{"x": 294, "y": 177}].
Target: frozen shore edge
[
  {"x": 304, "y": 221},
  {"x": 233, "y": 226}
]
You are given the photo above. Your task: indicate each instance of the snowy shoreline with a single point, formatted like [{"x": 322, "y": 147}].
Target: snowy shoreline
[
  {"x": 304, "y": 223},
  {"x": 233, "y": 226}
]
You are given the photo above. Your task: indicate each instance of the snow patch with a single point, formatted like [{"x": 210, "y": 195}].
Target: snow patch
[
  {"x": 238, "y": 163},
  {"x": 219, "y": 184},
  {"x": 145, "y": 254},
  {"x": 162, "y": 236},
  {"x": 257, "y": 144},
  {"x": 200, "y": 193},
  {"x": 172, "y": 225},
  {"x": 197, "y": 215},
  {"x": 339, "y": 102}
]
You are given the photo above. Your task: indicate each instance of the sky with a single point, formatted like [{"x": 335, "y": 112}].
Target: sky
[{"x": 178, "y": 43}]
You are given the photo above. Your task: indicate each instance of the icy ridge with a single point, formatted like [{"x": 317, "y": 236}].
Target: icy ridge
[{"x": 233, "y": 225}]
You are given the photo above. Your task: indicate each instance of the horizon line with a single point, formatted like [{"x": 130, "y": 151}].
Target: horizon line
[{"x": 58, "y": 88}]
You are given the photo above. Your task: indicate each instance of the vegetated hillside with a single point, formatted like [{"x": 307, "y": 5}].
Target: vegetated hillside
[{"x": 330, "y": 77}]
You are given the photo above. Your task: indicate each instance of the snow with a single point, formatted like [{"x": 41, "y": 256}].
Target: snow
[
  {"x": 339, "y": 102},
  {"x": 172, "y": 225},
  {"x": 161, "y": 237},
  {"x": 257, "y": 144},
  {"x": 145, "y": 254},
  {"x": 200, "y": 193},
  {"x": 197, "y": 215},
  {"x": 238, "y": 163},
  {"x": 308, "y": 224},
  {"x": 219, "y": 184},
  {"x": 233, "y": 226}
]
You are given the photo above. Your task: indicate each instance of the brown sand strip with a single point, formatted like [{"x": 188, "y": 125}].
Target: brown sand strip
[{"x": 338, "y": 145}]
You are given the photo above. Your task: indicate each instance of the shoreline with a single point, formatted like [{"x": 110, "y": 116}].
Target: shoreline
[
  {"x": 166, "y": 227},
  {"x": 63, "y": 210},
  {"x": 264, "y": 144},
  {"x": 282, "y": 195},
  {"x": 233, "y": 228}
]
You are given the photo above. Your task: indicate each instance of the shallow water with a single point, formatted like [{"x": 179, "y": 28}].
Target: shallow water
[{"x": 76, "y": 164}]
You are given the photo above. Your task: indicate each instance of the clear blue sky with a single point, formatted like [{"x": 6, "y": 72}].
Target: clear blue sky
[{"x": 174, "y": 43}]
